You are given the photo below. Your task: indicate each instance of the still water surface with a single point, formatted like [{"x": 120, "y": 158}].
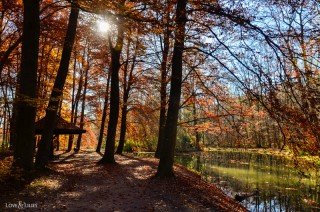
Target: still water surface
[{"x": 271, "y": 180}]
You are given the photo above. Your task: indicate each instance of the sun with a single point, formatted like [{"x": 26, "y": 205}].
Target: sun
[{"x": 103, "y": 26}]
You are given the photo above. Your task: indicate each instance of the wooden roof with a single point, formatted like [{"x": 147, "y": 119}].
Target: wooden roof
[{"x": 63, "y": 127}]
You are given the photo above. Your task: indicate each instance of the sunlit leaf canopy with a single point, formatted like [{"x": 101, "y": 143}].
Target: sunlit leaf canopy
[{"x": 112, "y": 8}]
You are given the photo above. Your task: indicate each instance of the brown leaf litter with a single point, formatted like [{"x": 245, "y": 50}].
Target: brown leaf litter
[{"x": 78, "y": 183}]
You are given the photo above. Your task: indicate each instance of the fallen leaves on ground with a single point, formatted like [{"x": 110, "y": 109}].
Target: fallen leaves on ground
[{"x": 128, "y": 185}]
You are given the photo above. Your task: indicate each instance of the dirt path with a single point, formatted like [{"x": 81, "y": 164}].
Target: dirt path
[{"x": 79, "y": 184}]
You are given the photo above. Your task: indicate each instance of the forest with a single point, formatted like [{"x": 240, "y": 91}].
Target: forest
[{"x": 161, "y": 76}]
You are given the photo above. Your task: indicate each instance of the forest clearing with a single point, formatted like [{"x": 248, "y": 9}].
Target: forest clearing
[{"x": 228, "y": 89}]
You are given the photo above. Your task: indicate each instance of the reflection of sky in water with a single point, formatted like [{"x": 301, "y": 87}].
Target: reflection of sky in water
[{"x": 280, "y": 187}]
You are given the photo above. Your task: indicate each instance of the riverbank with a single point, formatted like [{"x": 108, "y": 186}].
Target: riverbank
[
  {"x": 266, "y": 151},
  {"x": 281, "y": 185},
  {"x": 302, "y": 158},
  {"x": 77, "y": 183}
]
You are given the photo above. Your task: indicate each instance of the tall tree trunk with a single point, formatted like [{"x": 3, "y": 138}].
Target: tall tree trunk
[
  {"x": 70, "y": 141},
  {"x": 58, "y": 136},
  {"x": 12, "y": 127},
  {"x": 82, "y": 108},
  {"x": 6, "y": 116},
  {"x": 163, "y": 89},
  {"x": 4, "y": 126},
  {"x": 42, "y": 157},
  {"x": 126, "y": 91},
  {"x": 104, "y": 114},
  {"x": 108, "y": 156},
  {"x": 195, "y": 122},
  {"x": 26, "y": 92},
  {"x": 75, "y": 106},
  {"x": 165, "y": 168},
  {"x": 123, "y": 130},
  {"x": 2, "y": 146}
]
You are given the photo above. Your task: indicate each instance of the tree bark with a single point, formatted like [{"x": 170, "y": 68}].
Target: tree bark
[
  {"x": 70, "y": 141},
  {"x": 82, "y": 108},
  {"x": 123, "y": 128},
  {"x": 163, "y": 88},
  {"x": 75, "y": 106},
  {"x": 108, "y": 156},
  {"x": 12, "y": 127},
  {"x": 165, "y": 168},
  {"x": 126, "y": 91},
  {"x": 4, "y": 124},
  {"x": 42, "y": 157},
  {"x": 104, "y": 114},
  {"x": 26, "y": 92},
  {"x": 195, "y": 123}
]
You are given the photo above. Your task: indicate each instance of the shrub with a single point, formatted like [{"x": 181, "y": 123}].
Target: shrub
[
  {"x": 184, "y": 141},
  {"x": 131, "y": 146}
]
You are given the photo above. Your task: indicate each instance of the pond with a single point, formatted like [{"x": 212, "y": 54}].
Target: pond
[{"x": 270, "y": 183}]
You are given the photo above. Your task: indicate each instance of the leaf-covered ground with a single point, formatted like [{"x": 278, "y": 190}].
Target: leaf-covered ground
[{"x": 77, "y": 183}]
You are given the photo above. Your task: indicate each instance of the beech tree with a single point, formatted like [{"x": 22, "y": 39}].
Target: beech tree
[
  {"x": 42, "y": 157},
  {"x": 128, "y": 81},
  {"x": 26, "y": 94},
  {"x": 116, "y": 50},
  {"x": 104, "y": 113},
  {"x": 167, "y": 31},
  {"x": 165, "y": 168}
]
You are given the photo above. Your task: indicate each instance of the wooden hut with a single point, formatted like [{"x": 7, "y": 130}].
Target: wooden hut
[{"x": 62, "y": 128}]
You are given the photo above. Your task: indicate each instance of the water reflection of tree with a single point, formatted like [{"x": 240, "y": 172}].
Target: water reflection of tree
[{"x": 284, "y": 191}]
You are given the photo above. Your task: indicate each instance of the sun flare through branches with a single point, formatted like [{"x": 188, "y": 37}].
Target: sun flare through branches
[{"x": 103, "y": 26}]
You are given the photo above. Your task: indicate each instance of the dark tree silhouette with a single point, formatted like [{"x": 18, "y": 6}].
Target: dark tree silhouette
[
  {"x": 108, "y": 156},
  {"x": 104, "y": 114},
  {"x": 42, "y": 157},
  {"x": 26, "y": 92},
  {"x": 163, "y": 84},
  {"x": 165, "y": 168},
  {"x": 127, "y": 85}
]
